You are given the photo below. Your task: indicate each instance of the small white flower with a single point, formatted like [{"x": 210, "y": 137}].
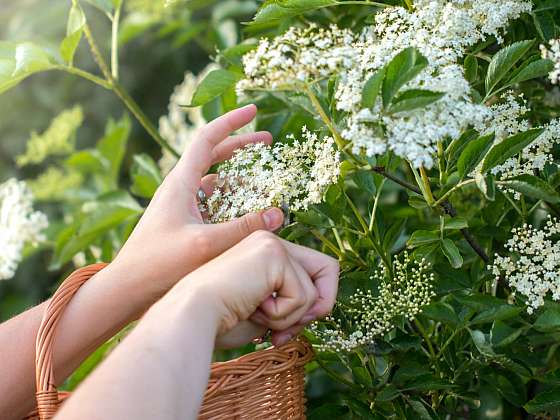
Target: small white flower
[{"x": 19, "y": 225}]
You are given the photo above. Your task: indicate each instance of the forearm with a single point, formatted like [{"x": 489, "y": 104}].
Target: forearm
[
  {"x": 105, "y": 304},
  {"x": 159, "y": 371}
]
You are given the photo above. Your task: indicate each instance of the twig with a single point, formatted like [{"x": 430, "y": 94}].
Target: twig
[{"x": 446, "y": 205}]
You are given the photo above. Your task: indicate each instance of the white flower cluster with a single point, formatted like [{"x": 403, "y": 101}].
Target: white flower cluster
[
  {"x": 294, "y": 174},
  {"x": 19, "y": 225},
  {"x": 553, "y": 54},
  {"x": 372, "y": 316},
  {"x": 533, "y": 266},
  {"x": 299, "y": 55},
  {"x": 180, "y": 124},
  {"x": 440, "y": 29},
  {"x": 507, "y": 119}
]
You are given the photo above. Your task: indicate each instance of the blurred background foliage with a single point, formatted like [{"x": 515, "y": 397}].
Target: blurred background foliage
[{"x": 158, "y": 45}]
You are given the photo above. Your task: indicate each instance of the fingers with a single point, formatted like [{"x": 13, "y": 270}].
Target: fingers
[
  {"x": 225, "y": 149},
  {"x": 280, "y": 338},
  {"x": 323, "y": 271},
  {"x": 200, "y": 155},
  {"x": 208, "y": 183},
  {"x": 230, "y": 233}
]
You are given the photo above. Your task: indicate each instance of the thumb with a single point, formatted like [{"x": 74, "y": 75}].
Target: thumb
[{"x": 232, "y": 232}]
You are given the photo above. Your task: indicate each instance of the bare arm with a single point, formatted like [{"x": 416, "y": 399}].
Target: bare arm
[{"x": 169, "y": 242}]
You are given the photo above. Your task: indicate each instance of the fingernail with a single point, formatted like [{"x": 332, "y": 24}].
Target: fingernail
[
  {"x": 273, "y": 218},
  {"x": 248, "y": 106},
  {"x": 283, "y": 339},
  {"x": 307, "y": 319}
]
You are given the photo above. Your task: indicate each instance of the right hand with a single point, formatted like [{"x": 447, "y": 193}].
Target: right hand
[{"x": 239, "y": 285}]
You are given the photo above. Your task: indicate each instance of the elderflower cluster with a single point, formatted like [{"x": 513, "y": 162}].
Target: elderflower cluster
[
  {"x": 441, "y": 30},
  {"x": 553, "y": 54},
  {"x": 370, "y": 316},
  {"x": 294, "y": 174},
  {"x": 299, "y": 55},
  {"x": 19, "y": 225},
  {"x": 181, "y": 123},
  {"x": 507, "y": 118},
  {"x": 533, "y": 267}
]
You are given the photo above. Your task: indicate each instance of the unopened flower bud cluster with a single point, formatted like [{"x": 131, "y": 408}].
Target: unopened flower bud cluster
[
  {"x": 19, "y": 225},
  {"x": 368, "y": 316},
  {"x": 552, "y": 52},
  {"x": 532, "y": 267},
  {"x": 441, "y": 30},
  {"x": 294, "y": 174}
]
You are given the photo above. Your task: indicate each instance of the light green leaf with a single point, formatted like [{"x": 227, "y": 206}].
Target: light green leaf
[
  {"x": 508, "y": 148},
  {"x": 103, "y": 5},
  {"x": 452, "y": 253},
  {"x": 274, "y": 10},
  {"x": 401, "y": 70},
  {"x": 533, "y": 187},
  {"x": 214, "y": 84},
  {"x": 504, "y": 61},
  {"x": 456, "y": 223},
  {"x": 113, "y": 146},
  {"x": 372, "y": 88},
  {"x": 145, "y": 175},
  {"x": 413, "y": 99},
  {"x": 422, "y": 237},
  {"x": 74, "y": 30},
  {"x": 18, "y": 61},
  {"x": 472, "y": 154}
]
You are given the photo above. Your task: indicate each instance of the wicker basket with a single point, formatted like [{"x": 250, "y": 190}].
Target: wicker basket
[{"x": 267, "y": 384}]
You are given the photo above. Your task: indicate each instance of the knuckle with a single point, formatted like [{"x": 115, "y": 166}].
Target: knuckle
[
  {"x": 202, "y": 243},
  {"x": 245, "y": 225}
]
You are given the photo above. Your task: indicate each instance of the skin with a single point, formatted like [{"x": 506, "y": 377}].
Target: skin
[
  {"x": 169, "y": 242},
  {"x": 211, "y": 301}
]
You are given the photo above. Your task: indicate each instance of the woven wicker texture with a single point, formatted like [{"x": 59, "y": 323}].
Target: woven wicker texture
[{"x": 267, "y": 384}]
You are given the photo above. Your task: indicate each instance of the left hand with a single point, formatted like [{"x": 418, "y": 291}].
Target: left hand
[{"x": 171, "y": 239}]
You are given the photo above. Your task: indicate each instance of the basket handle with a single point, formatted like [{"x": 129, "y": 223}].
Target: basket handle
[{"x": 47, "y": 393}]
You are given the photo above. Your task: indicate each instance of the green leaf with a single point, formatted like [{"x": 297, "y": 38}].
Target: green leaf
[
  {"x": 364, "y": 180},
  {"x": 88, "y": 161},
  {"x": 533, "y": 70},
  {"x": 214, "y": 84},
  {"x": 146, "y": 177},
  {"x": 482, "y": 343},
  {"x": 413, "y": 99},
  {"x": 471, "y": 68},
  {"x": 393, "y": 234},
  {"x": 533, "y": 187},
  {"x": 452, "y": 253},
  {"x": 455, "y": 223},
  {"x": 486, "y": 184},
  {"x": 546, "y": 401},
  {"x": 500, "y": 313},
  {"x": 457, "y": 146},
  {"x": 473, "y": 154},
  {"x": 74, "y": 30},
  {"x": 508, "y": 148},
  {"x": 549, "y": 320},
  {"x": 328, "y": 411},
  {"x": 274, "y": 10},
  {"x": 428, "y": 383},
  {"x": 442, "y": 312},
  {"x": 372, "y": 88},
  {"x": 18, "y": 61},
  {"x": 503, "y": 335},
  {"x": 545, "y": 22},
  {"x": 420, "y": 410},
  {"x": 401, "y": 70},
  {"x": 422, "y": 237},
  {"x": 389, "y": 393},
  {"x": 362, "y": 376},
  {"x": 504, "y": 61},
  {"x": 103, "y": 5},
  {"x": 113, "y": 146}
]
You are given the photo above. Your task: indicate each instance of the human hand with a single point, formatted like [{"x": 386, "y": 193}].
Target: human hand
[
  {"x": 171, "y": 239},
  {"x": 239, "y": 286}
]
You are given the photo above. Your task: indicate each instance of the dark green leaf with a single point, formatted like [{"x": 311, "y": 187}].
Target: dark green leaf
[
  {"x": 393, "y": 234},
  {"x": 498, "y": 313},
  {"x": 442, "y": 312},
  {"x": 503, "y": 335},
  {"x": 504, "y": 61},
  {"x": 362, "y": 376},
  {"x": 533, "y": 187},
  {"x": 372, "y": 88},
  {"x": 549, "y": 320},
  {"x": 533, "y": 70},
  {"x": 546, "y": 401},
  {"x": 328, "y": 411},
  {"x": 508, "y": 148},
  {"x": 420, "y": 410},
  {"x": 457, "y": 146},
  {"x": 214, "y": 84},
  {"x": 413, "y": 99},
  {"x": 452, "y": 253},
  {"x": 471, "y": 68},
  {"x": 390, "y": 392},
  {"x": 274, "y": 10},
  {"x": 364, "y": 180},
  {"x": 482, "y": 343},
  {"x": 473, "y": 153},
  {"x": 401, "y": 70}
]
